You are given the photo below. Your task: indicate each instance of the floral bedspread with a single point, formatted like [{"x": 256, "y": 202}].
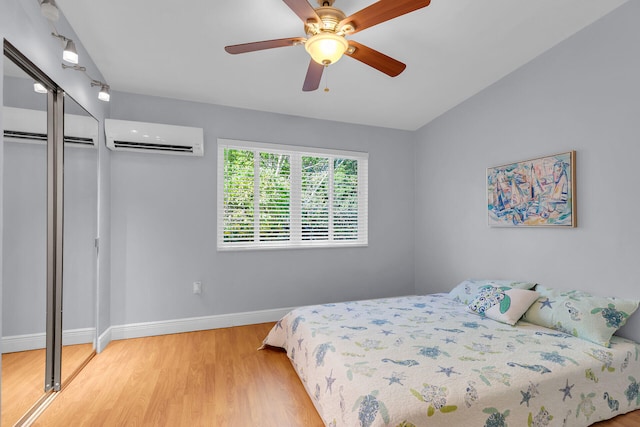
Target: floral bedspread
[{"x": 426, "y": 361}]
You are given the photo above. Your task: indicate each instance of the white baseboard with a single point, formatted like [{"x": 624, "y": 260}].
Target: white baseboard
[
  {"x": 27, "y": 342},
  {"x": 103, "y": 340},
  {"x": 146, "y": 329},
  {"x": 165, "y": 327}
]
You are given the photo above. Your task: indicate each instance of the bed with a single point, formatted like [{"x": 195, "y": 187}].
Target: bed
[{"x": 428, "y": 361}]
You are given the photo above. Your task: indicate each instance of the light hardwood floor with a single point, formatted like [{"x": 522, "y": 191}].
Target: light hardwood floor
[
  {"x": 23, "y": 378},
  {"x": 207, "y": 378}
]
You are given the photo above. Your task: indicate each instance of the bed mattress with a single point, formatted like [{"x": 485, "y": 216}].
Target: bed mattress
[{"x": 426, "y": 361}]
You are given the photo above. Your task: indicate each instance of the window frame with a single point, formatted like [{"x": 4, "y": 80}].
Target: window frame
[{"x": 295, "y": 239}]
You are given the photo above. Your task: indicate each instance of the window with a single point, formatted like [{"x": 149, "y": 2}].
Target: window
[{"x": 280, "y": 196}]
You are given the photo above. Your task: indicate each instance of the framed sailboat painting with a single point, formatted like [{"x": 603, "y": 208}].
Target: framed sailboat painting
[{"x": 533, "y": 193}]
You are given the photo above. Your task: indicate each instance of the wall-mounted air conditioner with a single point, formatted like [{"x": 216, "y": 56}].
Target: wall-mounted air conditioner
[
  {"x": 26, "y": 125},
  {"x": 124, "y": 135}
]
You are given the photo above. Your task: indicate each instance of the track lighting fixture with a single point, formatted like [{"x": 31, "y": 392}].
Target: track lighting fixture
[
  {"x": 104, "y": 94},
  {"x": 70, "y": 54},
  {"x": 49, "y": 10}
]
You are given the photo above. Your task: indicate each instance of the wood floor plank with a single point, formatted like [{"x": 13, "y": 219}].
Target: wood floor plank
[
  {"x": 207, "y": 378},
  {"x": 23, "y": 378}
]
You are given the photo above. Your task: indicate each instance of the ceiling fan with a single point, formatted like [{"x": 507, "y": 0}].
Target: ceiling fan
[{"x": 327, "y": 27}]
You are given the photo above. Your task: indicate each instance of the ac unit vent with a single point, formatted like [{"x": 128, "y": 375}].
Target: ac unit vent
[
  {"x": 153, "y": 147},
  {"x": 78, "y": 140},
  {"x": 27, "y": 136},
  {"x": 26, "y": 125},
  {"x": 124, "y": 135},
  {"x": 42, "y": 137}
]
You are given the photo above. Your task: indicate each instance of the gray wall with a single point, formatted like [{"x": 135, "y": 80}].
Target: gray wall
[
  {"x": 163, "y": 221},
  {"x": 582, "y": 95}
]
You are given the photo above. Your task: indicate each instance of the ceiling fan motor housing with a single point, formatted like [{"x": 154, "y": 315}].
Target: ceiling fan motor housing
[{"x": 330, "y": 17}]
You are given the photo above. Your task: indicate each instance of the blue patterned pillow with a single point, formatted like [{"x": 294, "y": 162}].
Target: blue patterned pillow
[
  {"x": 502, "y": 303},
  {"x": 468, "y": 289},
  {"x": 580, "y": 314}
]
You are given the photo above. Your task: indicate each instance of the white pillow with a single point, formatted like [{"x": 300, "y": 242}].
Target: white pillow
[{"x": 502, "y": 303}]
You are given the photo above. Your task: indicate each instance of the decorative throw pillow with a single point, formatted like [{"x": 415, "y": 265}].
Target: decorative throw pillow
[
  {"x": 468, "y": 289},
  {"x": 502, "y": 303},
  {"x": 580, "y": 314}
]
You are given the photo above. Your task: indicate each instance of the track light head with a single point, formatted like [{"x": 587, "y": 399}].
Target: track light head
[
  {"x": 49, "y": 10},
  {"x": 104, "y": 94},
  {"x": 70, "y": 53}
]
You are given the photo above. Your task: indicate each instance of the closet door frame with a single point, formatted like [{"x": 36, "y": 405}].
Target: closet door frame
[
  {"x": 55, "y": 217},
  {"x": 55, "y": 209}
]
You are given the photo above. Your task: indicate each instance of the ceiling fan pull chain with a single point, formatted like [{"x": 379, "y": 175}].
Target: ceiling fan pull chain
[{"x": 326, "y": 72}]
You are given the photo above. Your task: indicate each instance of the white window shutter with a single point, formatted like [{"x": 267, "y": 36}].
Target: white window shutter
[{"x": 278, "y": 196}]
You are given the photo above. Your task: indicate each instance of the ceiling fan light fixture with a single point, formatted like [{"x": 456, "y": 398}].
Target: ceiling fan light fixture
[{"x": 326, "y": 48}]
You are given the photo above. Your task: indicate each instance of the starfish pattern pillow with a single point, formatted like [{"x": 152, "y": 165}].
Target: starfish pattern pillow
[{"x": 580, "y": 314}]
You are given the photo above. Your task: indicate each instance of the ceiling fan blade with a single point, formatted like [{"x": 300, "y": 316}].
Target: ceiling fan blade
[
  {"x": 375, "y": 59},
  {"x": 381, "y": 11},
  {"x": 314, "y": 75},
  {"x": 266, "y": 44},
  {"x": 304, "y": 10}
]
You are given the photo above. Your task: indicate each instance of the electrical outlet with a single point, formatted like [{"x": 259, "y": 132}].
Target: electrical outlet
[{"x": 197, "y": 288}]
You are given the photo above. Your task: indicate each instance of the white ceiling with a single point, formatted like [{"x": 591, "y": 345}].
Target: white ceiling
[{"x": 453, "y": 49}]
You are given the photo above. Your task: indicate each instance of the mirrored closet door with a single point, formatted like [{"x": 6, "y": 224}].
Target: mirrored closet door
[
  {"x": 79, "y": 232},
  {"x": 24, "y": 240},
  {"x": 49, "y": 184}
]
